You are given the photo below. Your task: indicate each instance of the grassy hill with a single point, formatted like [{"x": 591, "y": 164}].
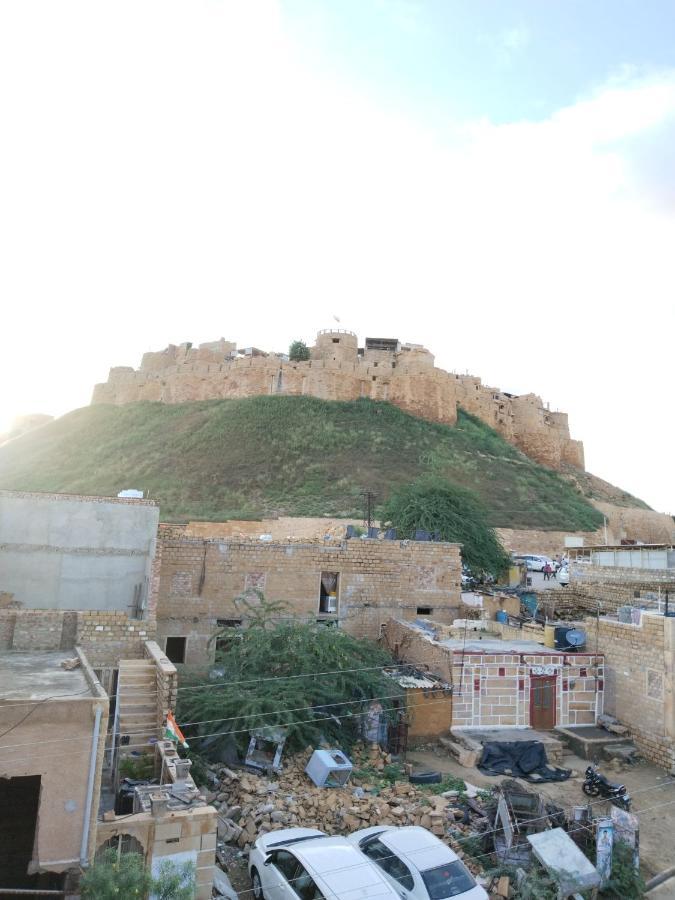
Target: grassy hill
[{"x": 222, "y": 459}]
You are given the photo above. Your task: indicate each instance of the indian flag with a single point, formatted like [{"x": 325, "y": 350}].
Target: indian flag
[{"x": 172, "y": 732}]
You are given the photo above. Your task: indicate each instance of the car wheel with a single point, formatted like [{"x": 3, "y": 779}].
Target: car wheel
[{"x": 256, "y": 885}]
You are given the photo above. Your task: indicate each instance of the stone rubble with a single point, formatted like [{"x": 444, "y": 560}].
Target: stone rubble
[{"x": 250, "y": 804}]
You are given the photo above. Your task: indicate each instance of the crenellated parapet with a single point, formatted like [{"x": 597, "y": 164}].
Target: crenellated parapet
[{"x": 338, "y": 369}]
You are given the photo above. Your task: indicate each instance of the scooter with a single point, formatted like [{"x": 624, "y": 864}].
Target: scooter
[{"x": 596, "y": 785}]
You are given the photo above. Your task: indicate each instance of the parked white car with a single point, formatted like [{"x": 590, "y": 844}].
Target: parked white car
[
  {"x": 306, "y": 863},
  {"x": 533, "y": 562},
  {"x": 417, "y": 863}
]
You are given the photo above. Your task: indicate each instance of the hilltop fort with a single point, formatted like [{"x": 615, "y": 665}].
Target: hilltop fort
[{"x": 338, "y": 369}]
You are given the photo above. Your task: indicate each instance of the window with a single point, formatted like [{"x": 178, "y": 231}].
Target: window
[
  {"x": 336, "y": 340},
  {"x": 304, "y": 887},
  {"x": 175, "y": 649},
  {"x": 328, "y": 593},
  {"x": 424, "y": 610},
  {"x": 286, "y": 863},
  {"x": 394, "y": 867},
  {"x": 448, "y": 881},
  {"x": 121, "y": 843}
]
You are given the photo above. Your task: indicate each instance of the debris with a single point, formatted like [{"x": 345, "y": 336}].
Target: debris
[
  {"x": 329, "y": 768},
  {"x": 223, "y": 886},
  {"x": 69, "y": 664},
  {"x": 265, "y": 748}
]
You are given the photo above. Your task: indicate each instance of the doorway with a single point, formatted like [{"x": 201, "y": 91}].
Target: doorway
[
  {"x": 19, "y": 804},
  {"x": 542, "y": 702}
]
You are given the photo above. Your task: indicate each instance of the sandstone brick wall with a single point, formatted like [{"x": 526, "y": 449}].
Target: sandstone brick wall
[
  {"x": 493, "y": 690},
  {"x": 339, "y": 370},
  {"x": 167, "y": 681},
  {"x": 200, "y": 580},
  {"x": 106, "y": 637},
  {"x": 639, "y": 681}
]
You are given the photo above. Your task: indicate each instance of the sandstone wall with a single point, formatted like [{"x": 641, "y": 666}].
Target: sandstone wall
[
  {"x": 339, "y": 370},
  {"x": 493, "y": 689},
  {"x": 201, "y": 578},
  {"x": 639, "y": 681}
]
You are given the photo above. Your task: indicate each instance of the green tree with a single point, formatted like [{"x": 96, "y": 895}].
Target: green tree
[
  {"x": 174, "y": 881},
  {"x": 111, "y": 878},
  {"x": 436, "y": 505},
  {"x": 298, "y": 351},
  {"x": 262, "y": 685}
]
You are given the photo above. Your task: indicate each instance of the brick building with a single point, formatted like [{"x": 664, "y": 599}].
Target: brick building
[
  {"x": 355, "y": 584},
  {"x": 501, "y": 683}
]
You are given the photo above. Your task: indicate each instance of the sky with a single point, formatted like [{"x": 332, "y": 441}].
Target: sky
[{"x": 492, "y": 180}]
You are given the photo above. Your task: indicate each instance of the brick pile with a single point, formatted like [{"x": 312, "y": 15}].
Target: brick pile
[{"x": 251, "y": 805}]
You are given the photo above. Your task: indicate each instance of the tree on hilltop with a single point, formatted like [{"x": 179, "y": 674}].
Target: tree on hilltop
[
  {"x": 298, "y": 352},
  {"x": 436, "y": 505}
]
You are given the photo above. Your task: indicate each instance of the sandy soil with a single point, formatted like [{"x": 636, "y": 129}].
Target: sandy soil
[{"x": 648, "y": 785}]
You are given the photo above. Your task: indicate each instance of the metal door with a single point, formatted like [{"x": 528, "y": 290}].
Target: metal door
[{"x": 542, "y": 702}]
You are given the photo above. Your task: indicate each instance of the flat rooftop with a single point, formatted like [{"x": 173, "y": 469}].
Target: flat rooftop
[
  {"x": 495, "y": 645},
  {"x": 38, "y": 676}
]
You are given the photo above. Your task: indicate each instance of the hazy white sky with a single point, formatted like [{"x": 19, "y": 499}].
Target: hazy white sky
[{"x": 185, "y": 170}]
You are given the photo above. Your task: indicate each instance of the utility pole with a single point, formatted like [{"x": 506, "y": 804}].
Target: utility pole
[{"x": 368, "y": 506}]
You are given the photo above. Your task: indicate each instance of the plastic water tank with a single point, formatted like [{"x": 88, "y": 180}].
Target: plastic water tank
[{"x": 501, "y": 616}]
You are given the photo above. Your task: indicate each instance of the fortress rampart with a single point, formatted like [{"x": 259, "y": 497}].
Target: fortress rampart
[{"x": 338, "y": 369}]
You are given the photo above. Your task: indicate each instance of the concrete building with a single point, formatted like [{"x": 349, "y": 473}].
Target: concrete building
[
  {"x": 49, "y": 789},
  {"x": 354, "y": 584},
  {"x": 62, "y": 551}
]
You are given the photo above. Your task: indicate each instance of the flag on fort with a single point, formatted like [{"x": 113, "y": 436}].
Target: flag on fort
[{"x": 172, "y": 732}]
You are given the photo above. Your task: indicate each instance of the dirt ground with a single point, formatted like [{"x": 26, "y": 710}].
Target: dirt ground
[{"x": 648, "y": 786}]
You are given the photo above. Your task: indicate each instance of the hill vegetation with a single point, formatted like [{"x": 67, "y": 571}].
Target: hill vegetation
[{"x": 266, "y": 456}]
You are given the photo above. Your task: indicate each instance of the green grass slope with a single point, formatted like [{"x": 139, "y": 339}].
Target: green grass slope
[{"x": 260, "y": 456}]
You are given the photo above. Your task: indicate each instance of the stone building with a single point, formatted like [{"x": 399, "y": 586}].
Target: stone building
[
  {"x": 504, "y": 683},
  {"x": 383, "y": 369},
  {"x": 355, "y": 584},
  {"x": 49, "y": 792}
]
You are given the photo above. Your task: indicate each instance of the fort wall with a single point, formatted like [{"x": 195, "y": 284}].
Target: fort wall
[{"x": 338, "y": 369}]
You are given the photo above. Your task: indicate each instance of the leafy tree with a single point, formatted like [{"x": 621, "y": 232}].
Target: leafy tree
[
  {"x": 174, "y": 881},
  {"x": 255, "y": 690},
  {"x": 436, "y": 505},
  {"x": 111, "y": 878},
  {"x": 298, "y": 351}
]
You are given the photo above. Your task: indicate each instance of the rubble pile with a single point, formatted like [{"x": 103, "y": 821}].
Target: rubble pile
[{"x": 252, "y": 804}]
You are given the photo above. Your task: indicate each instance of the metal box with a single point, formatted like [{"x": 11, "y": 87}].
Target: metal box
[{"x": 329, "y": 768}]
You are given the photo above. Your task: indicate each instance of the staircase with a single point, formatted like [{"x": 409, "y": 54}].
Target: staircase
[{"x": 137, "y": 704}]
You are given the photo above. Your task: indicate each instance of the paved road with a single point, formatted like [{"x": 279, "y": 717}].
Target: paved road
[{"x": 539, "y": 584}]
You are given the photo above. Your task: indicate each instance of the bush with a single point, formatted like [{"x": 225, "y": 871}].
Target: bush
[
  {"x": 111, "y": 879},
  {"x": 625, "y": 881}
]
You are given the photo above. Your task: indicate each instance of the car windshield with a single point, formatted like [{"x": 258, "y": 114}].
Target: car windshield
[{"x": 447, "y": 881}]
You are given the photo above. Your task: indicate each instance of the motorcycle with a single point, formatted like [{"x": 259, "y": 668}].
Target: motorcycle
[{"x": 596, "y": 785}]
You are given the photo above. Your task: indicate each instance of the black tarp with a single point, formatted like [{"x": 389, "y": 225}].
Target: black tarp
[{"x": 521, "y": 759}]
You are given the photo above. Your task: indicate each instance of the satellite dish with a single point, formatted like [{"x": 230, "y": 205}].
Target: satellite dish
[{"x": 575, "y": 637}]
